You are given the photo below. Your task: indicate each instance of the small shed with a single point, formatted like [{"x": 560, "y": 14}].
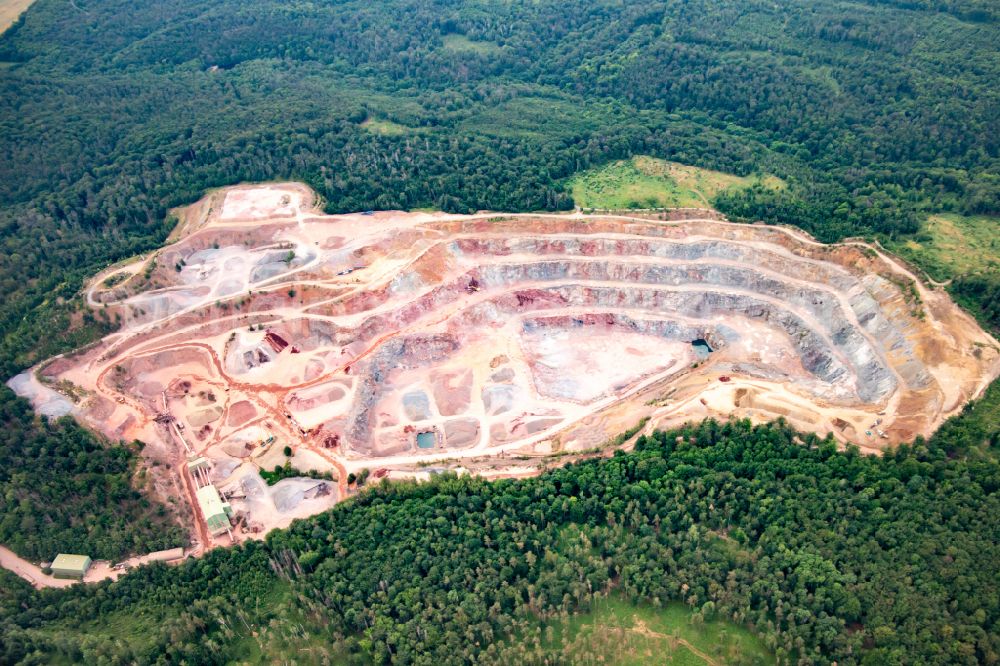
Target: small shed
[
  {"x": 70, "y": 566},
  {"x": 166, "y": 555},
  {"x": 198, "y": 462}
]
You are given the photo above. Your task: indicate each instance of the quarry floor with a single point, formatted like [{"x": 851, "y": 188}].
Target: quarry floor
[{"x": 508, "y": 342}]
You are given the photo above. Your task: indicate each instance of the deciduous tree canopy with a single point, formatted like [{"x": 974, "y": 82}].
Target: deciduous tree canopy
[{"x": 829, "y": 556}]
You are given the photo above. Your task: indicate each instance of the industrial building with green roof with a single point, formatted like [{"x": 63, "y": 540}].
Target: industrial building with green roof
[
  {"x": 70, "y": 566},
  {"x": 216, "y": 511}
]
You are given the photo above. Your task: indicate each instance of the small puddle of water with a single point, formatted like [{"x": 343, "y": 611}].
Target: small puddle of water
[{"x": 701, "y": 348}]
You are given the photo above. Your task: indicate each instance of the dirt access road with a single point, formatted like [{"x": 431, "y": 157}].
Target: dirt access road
[
  {"x": 33, "y": 574},
  {"x": 28, "y": 571},
  {"x": 99, "y": 569}
]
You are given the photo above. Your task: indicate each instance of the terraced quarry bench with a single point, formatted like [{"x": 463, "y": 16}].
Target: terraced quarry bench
[{"x": 493, "y": 338}]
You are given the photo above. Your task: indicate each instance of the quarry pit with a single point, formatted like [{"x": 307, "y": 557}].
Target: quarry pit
[{"x": 403, "y": 343}]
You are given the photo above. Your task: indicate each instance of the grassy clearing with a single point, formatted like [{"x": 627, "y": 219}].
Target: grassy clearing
[
  {"x": 616, "y": 632},
  {"x": 462, "y": 44},
  {"x": 386, "y": 127},
  {"x": 536, "y": 117},
  {"x": 950, "y": 244},
  {"x": 647, "y": 182},
  {"x": 254, "y": 638},
  {"x": 140, "y": 628},
  {"x": 823, "y": 75},
  {"x": 274, "y": 642}
]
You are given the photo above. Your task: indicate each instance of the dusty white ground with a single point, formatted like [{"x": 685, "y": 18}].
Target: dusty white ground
[
  {"x": 99, "y": 570},
  {"x": 498, "y": 339},
  {"x": 10, "y": 10}
]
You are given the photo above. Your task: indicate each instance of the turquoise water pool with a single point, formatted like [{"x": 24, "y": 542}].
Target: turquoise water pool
[
  {"x": 701, "y": 348},
  {"x": 425, "y": 440}
]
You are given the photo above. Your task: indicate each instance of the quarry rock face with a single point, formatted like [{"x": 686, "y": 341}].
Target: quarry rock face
[{"x": 350, "y": 336}]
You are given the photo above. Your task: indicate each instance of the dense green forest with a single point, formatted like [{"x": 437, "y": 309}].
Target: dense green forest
[
  {"x": 874, "y": 113},
  {"x": 826, "y": 555},
  {"x": 63, "y": 489},
  {"x": 980, "y": 293}
]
